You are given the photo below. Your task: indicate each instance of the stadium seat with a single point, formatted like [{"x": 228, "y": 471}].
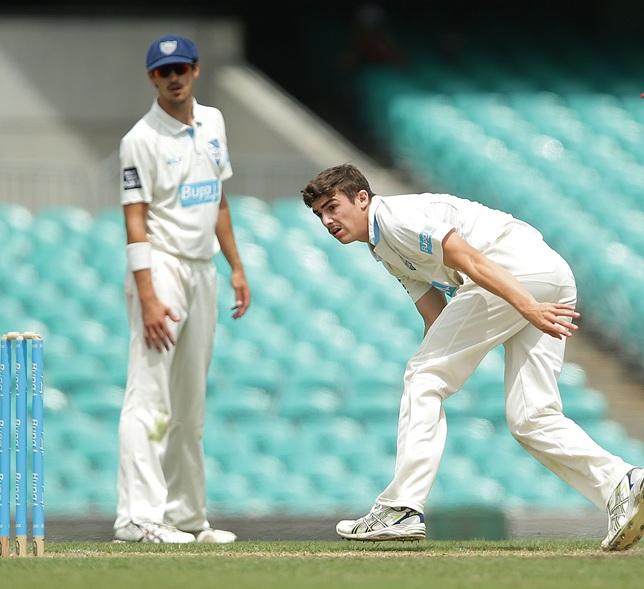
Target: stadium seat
[
  {"x": 245, "y": 403},
  {"x": 263, "y": 473},
  {"x": 279, "y": 443},
  {"x": 103, "y": 403},
  {"x": 262, "y": 432},
  {"x": 315, "y": 374},
  {"x": 227, "y": 448},
  {"x": 77, "y": 377},
  {"x": 308, "y": 404},
  {"x": 265, "y": 375},
  {"x": 364, "y": 408},
  {"x": 15, "y": 217}
]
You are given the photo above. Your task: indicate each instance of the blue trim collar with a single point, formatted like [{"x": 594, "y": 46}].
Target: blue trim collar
[{"x": 374, "y": 228}]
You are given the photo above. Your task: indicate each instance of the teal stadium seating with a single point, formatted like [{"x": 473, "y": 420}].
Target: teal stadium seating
[
  {"x": 303, "y": 393},
  {"x": 553, "y": 137}
]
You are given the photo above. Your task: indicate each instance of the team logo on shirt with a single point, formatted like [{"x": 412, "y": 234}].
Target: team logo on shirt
[
  {"x": 199, "y": 193},
  {"x": 425, "y": 239},
  {"x": 173, "y": 160},
  {"x": 216, "y": 152},
  {"x": 131, "y": 178}
]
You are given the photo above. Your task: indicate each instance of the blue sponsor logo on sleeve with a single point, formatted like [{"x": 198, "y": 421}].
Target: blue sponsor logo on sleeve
[
  {"x": 199, "y": 193},
  {"x": 446, "y": 288},
  {"x": 425, "y": 239}
]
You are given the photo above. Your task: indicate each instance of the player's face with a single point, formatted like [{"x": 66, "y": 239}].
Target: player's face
[
  {"x": 345, "y": 220},
  {"x": 174, "y": 81}
]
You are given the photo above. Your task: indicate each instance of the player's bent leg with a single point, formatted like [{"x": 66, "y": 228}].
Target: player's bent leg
[
  {"x": 534, "y": 415},
  {"x": 449, "y": 353},
  {"x": 626, "y": 512},
  {"x": 535, "y": 418},
  {"x": 384, "y": 523}
]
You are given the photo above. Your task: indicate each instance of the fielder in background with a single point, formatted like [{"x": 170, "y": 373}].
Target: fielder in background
[
  {"x": 506, "y": 286},
  {"x": 173, "y": 163}
]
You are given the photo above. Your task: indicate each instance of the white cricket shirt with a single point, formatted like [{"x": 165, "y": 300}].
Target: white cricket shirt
[
  {"x": 406, "y": 234},
  {"x": 178, "y": 170}
]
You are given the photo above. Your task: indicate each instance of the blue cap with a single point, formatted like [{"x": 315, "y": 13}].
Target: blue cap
[{"x": 171, "y": 49}]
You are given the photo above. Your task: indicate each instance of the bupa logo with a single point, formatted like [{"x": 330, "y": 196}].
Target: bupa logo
[
  {"x": 198, "y": 193},
  {"x": 425, "y": 239},
  {"x": 168, "y": 47}
]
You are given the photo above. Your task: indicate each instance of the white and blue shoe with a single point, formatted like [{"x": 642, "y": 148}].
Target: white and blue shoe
[
  {"x": 384, "y": 523},
  {"x": 626, "y": 512}
]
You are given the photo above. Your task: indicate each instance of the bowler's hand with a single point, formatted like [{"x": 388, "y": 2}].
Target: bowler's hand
[
  {"x": 242, "y": 293},
  {"x": 155, "y": 329},
  {"x": 551, "y": 318}
]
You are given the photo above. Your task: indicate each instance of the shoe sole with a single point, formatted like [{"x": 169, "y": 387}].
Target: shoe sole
[
  {"x": 412, "y": 533},
  {"x": 633, "y": 530}
]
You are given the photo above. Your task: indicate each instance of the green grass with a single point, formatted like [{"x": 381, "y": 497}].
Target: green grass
[{"x": 286, "y": 565}]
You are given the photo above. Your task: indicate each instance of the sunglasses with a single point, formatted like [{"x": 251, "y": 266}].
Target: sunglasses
[{"x": 164, "y": 71}]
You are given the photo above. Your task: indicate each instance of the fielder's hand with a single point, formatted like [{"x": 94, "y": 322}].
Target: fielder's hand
[
  {"x": 155, "y": 328},
  {"x": 242, "y": 293}
]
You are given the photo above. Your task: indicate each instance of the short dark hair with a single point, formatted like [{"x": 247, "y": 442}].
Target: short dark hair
[{"x": 345, "y": 178}]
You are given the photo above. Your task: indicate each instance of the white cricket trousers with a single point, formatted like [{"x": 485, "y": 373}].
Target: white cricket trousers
[
  {"x": 474, "y": 322},
  {"x": 161, "y": 476}
]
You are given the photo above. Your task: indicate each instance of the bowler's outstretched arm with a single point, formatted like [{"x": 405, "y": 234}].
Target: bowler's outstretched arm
[{"x": 548, "y": 317}]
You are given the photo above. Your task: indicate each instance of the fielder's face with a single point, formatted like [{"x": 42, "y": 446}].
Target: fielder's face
[
  {"x": 174, "y": 84},
  {"x": 345, "y": 220}
]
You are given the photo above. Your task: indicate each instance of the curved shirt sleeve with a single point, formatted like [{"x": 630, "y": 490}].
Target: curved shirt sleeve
[
  {"x": 420, "y": 230},
  {"x": 136, "y": 172},
  {"x": 226, "y": 166},
  {"x": 415, "y": 288}
]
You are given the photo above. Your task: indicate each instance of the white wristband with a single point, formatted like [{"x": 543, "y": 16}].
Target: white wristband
[{"x": 139, "y": 256}]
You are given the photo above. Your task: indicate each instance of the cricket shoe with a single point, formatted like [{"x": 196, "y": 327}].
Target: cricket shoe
[
  {"x": 384, "y": 523},
  {"x": 210, "y": 536},
  {"x": 150, "y": 532},
  {"x": 626, "y": 512}
]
